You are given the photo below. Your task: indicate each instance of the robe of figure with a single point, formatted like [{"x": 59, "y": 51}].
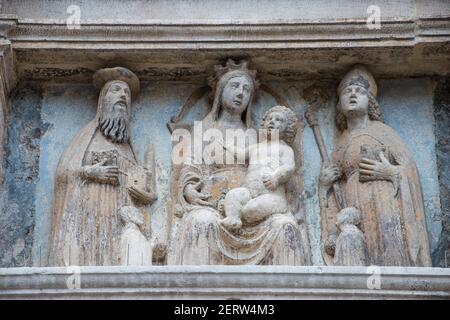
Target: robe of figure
[
  {"x": 203, "y": 240},
  {"x": 135, "y": 249},
  {"x": 86, "y": 226},
  {"x": 392, "y": 219}
]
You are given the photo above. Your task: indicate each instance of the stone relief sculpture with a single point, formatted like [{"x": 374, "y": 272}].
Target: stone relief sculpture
[
  {"x": 199, "y": 192},
  {"x": 135, "y": 249},
  {"x": 377, "y": 176},
  {"x": 97, "y": 175},
  {"x": 239, "y": 212}
]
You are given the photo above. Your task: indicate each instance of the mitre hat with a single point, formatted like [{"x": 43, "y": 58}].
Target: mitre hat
[
  {"x": 102, "y": 76},
  {"x": 359, "y": 75}
]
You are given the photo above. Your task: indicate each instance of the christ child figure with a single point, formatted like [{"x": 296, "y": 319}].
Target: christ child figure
[{"x": 271, "y": 165}]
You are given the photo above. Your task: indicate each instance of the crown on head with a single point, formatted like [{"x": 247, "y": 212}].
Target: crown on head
[
  {"x": 231, "y": 65},
  {"x": 359, "y": 75},
  {"x": 360, "y": 81}
]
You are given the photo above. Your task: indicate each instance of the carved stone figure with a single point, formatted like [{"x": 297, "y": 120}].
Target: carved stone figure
[
  {"x": 199, "y": 189},
  {"x": 96, "y": 175},
  {"x": 135, "y": 249},
  {"x": 350, "y": 244},
  {"x": 271, "y": 164},
  {"x": 378, "y": 176}
]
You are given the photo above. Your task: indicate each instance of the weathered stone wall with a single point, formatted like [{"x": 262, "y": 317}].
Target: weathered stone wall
[
  {"x": 18, "y": 194},
  {"x": 143, "y": 10},
  {"x": 42, "y": 122},
  {"x": 441, "y": 255}
]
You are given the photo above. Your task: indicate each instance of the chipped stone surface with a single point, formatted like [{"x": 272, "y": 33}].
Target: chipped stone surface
[
  {"x": 141, "y": 10},
  {"x": 225, "y": 283},
  {"x": 441, "y": 255},
  {"x": 17, "y": 220}
]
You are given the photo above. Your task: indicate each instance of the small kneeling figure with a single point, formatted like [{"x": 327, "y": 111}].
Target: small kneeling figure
[
  {"x": 135, "y": 249},
  {"x": 350, "y": 245}
]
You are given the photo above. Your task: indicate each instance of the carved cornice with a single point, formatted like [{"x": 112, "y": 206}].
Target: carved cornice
[
  {"x": 8, "y": 22},
  {"x": 7, "y": 63},
  {"x": 54, "y": 34},
  {"x": 225, "y": 282},
  {"x": 7, "y": 66},
  {"x": 187, "y": 50}
]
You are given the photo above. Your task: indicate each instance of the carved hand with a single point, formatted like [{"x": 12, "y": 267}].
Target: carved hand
[
  {"x": 102, "y": 174},
  {"x": 329, "y": 174},
  {"x": 221, "y": 207},
  {"x": 141, "y": 196},
  {"x": 370, "y": 170},
  {"x": 194, "y": 196},
  {"x": 270, "y": 181},
  {"x": 330, "y": 244}
]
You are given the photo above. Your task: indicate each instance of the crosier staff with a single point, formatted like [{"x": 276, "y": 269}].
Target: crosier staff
[{"x": 310, "y": 116}]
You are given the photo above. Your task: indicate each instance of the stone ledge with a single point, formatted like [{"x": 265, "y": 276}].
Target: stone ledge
[
  {"x": 224, "y": 282},
  {"x": 46, "y": 50},
  {"x": 30, "y": 34}
]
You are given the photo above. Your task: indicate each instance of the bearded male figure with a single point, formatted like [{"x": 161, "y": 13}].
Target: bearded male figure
[{"x": 92, "y": 179}]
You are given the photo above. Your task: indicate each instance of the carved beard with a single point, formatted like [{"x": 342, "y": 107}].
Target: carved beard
[{"x": 114, "y": 127}]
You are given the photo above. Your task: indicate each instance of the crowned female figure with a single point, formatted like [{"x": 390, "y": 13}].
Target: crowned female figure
[{"x": 200, "y": 185}]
